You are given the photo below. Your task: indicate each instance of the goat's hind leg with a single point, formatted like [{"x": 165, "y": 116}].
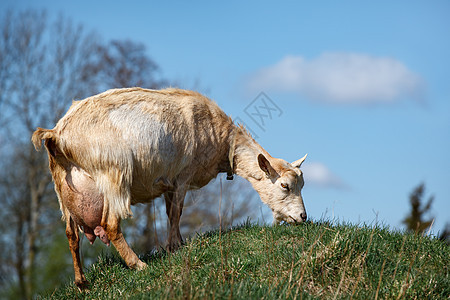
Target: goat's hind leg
[
  {"x": 174, "y": 208},
  {"x": 73, "y": 236},
  {"x": 115, "y": 235}
]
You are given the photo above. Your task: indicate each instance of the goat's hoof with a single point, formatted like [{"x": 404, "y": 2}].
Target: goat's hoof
[
  {"x": 174, "y": 246},
  {"x": 139, "y": 265},
  {"x": 82, "y": 284}
]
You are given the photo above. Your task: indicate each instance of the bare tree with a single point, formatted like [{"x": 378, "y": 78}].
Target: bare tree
[
  {"x": 43, "y": 65},
  {"x": 124, "y": 63}
]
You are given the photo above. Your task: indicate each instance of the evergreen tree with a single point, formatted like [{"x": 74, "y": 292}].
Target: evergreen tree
[{"x": 416, "y": 220}]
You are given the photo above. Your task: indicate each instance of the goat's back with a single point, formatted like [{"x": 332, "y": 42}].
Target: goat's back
[{"x": 145, "y": 135}]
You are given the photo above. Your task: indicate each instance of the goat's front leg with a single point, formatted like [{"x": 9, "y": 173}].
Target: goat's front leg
[
  {"x": 116, "y": 237},
  {"x": 74, "y": 245},
  {"x": 174, "y": 208}
]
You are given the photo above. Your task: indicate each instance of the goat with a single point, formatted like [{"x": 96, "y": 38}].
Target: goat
[{"x": 129, "y": 146}]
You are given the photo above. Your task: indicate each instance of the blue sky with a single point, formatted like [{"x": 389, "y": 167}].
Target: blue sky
[{"x": 363, "y": 88}]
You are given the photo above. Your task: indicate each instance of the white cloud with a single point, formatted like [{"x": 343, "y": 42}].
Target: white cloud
[
  {"x": 319, "y": 175},
  {"x": 340, "y": 78}
]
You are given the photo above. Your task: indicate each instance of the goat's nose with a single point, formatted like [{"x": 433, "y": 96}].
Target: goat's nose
[{"x": 303, "y": 216}]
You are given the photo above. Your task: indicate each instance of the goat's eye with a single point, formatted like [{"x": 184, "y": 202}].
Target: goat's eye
[{"x": 285, "y": 186}]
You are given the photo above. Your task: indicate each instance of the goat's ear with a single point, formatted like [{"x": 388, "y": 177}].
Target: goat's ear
[
  {"x": 264, "y": 164},
  {"x": 299, "y": 162}
]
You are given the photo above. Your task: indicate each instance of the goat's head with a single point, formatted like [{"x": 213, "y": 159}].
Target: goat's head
[{"x": 280, "y": 186}]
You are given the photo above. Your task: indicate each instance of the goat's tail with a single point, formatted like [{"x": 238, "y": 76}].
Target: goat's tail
[{"x": 42, "y": 134}]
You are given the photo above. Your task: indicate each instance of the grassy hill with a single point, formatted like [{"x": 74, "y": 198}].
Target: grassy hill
[{"x": 314, "y": 260}]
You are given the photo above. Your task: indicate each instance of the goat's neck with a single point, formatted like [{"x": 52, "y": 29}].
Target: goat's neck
[{"x": 246, "y": 151}]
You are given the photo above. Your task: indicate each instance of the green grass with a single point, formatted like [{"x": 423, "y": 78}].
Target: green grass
[{"x": 313, "y": 260}]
